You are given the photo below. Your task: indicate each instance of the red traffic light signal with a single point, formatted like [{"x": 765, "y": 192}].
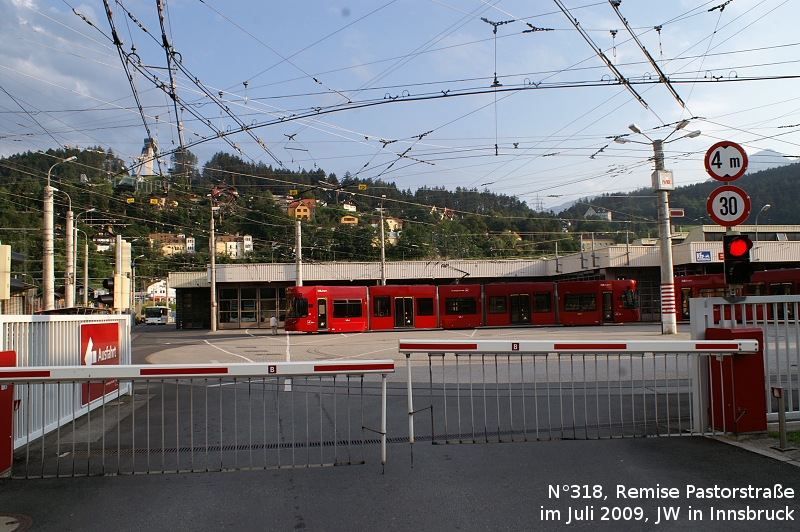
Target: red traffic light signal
[
  {"x": 737, "y": 259},
  {"x": 739, "y": 246}
]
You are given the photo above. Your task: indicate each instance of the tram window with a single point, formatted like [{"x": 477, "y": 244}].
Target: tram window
[
  {"x": 497, "y": 305},
  {"x": 628, "y": 299},
  {"x": 712, "y": 292},
  {"x": 298, "y": 308},
  {"x": 542, "y": 302},
  {"x": 756, "y": 289},
  {"x": 460, "y": 305},
  {"x": 346, "y": 308},
  {"x": 580, "y": 302},
  {"x": 382, "y": 306},
  {"x": 424, "y": 306}
]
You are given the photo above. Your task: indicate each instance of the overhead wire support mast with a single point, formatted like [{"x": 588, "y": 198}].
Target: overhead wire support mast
[
  {"x": 661, "y": 76},
  {"x": 600, "y": 53}
]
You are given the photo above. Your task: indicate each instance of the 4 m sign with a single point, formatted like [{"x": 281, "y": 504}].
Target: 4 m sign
[
  {"x": 726, "y": 161},
  {"x": 99, "y": 346}
]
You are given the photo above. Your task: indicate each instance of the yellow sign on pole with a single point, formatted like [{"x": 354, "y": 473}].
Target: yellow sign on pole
[
  {"x": 153, "y": 201},
  {"x": 293, "y": 192},
  {"x": 129, "y": 200},
  {"x": 362, "y": 187}
]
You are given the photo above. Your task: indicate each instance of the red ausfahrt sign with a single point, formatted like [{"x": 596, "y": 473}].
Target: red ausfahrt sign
[
  {"x": 728, "y": 205},
  {"x": 99, "y": 345},
  {"x": 726, "y": 161}
]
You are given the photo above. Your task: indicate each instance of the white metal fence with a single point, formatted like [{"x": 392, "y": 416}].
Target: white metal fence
[
  {"x": 779, "y": 319},
  {"x": 182, "y": 418},
  {"x": 505, "y": 390},
  {"x": 52, "y": 341}
]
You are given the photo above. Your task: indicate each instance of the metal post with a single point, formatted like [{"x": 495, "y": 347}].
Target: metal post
[
  {"x": 669, "y": 323},
  {"x": 86, "y": 271},
  {"x": 627, "y": 248},
  {"x": 69, "y": 272},
  {"x": 383, "y": 248},
  {"x": 298, "y": 252},
  {"x": 212, "y": 243}
]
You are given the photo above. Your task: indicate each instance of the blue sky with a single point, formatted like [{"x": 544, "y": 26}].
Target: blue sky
[{"x": 426, "y": 69}]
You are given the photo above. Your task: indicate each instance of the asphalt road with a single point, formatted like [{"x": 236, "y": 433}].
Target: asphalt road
[{"x": 449, "y": 487}]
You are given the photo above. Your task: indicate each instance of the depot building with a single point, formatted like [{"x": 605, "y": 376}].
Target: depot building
[{"x": 249, "y": 294}]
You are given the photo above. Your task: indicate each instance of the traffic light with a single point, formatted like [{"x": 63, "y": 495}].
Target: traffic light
[
  {"x": 737, "y": 259},
  {"x": 119, "y": 288}
]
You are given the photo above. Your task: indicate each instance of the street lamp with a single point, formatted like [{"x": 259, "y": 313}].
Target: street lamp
[
  {"x": 765, "y": 208},
  {"x": 662, "y": 184},
  {"x": 48, "y": 260},
  {"x": 85, "y": 256},
  {"x": 133, "y": 282},
  {"x": 85, "y": 264},
  {"x": 69, "y": 259}
]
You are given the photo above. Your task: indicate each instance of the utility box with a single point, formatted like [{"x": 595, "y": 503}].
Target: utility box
[{"x": 737, "y": 393}]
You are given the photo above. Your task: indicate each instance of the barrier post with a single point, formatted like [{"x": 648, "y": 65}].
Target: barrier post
[
  {"x": 738, "y": 395},
  {"x": 8, "y": 359}
]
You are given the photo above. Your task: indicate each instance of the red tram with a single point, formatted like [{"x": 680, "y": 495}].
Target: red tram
[
  {"x": 381, "y": 308},
  {"x": 763, "y": 283},
  {"x": 597, "y": 302}
]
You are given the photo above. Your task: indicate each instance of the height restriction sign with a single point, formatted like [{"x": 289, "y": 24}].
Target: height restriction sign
[
  {"x": 728, "y": 205},
  {"x": 726, "y": 161}
]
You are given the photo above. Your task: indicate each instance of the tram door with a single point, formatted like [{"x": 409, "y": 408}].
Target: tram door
[
  {"x": 519, "y": 308},
  {"x": 403, "y": 312},
  {"x": 608, "y": 306},
  {"x": 322, "y": 314},
  {"x": 686, "y": 294}
]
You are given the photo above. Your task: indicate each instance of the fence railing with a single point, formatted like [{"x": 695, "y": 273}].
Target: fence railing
[
  {"x": 499, "y": 390},
  {"x": 182, "y": 418},
  {"x": 779, "y": 318},
  {"x": 54, "y": 341}
]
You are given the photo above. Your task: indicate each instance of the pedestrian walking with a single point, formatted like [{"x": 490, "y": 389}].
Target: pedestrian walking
[{"x": 273, "y": 322}]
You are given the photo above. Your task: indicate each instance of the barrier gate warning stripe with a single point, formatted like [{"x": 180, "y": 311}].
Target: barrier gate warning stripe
[
  {"x": 183, "y": 371},
  {"x": 578, "y": 346}
]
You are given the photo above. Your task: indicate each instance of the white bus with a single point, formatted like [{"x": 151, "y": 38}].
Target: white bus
[{"x": 156, "y": 315}]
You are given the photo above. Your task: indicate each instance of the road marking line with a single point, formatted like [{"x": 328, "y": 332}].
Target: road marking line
[
  {"x": 228, "y": 352},
  {"x": 368, "y": 353}
]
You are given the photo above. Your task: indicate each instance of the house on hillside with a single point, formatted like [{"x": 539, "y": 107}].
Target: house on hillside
[
  {"x": 172, "y": 244},
  {"x": 304, "y": 209},
  {"x": 349, "y": 220},
  {"x": 234, "y": 246},
  {"x": 350, "y": 206},
  {"x": 392, "y": 224},
  {"x": 104, "y": 239},
  {"x": 598, "y": 212}
]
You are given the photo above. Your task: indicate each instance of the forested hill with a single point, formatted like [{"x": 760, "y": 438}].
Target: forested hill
[
  {"x": 778, "y": 187},
  {"x": 437, "y": 223}
]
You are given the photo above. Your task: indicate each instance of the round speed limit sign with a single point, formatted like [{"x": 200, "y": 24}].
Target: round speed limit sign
[{"x": 728, "y": 205}]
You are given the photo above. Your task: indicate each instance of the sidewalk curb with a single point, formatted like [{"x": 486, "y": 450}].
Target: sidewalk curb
[{"x": 757, "y": 450}]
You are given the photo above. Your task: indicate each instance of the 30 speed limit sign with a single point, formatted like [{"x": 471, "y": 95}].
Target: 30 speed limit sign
[
  {"x": 726, "y": 161},
  {"x": 728, "y": 205}
]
